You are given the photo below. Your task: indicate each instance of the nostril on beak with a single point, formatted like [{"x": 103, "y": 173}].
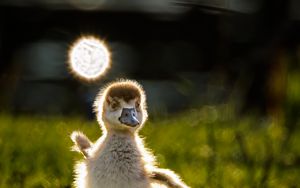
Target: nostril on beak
[{"x": 128, "y": 117}]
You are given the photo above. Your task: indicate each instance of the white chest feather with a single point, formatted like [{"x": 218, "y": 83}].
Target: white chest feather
[{"x": 117, "y": 163}]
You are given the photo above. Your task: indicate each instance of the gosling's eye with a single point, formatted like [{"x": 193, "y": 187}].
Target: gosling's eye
[
  {"x": 137, "y": 106},
  {"x": 115, "y": 105}
]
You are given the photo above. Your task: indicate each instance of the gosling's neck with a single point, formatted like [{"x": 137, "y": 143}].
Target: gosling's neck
[
  {"x": 123, "y": 141},
  {"x": 121, "y": 133},
  {"x": 110, "y": 131}
]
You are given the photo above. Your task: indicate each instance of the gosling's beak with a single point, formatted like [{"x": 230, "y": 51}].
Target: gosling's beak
[{"x": 128, "y": 117}]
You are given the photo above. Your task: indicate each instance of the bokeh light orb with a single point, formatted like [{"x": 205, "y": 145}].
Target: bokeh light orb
[{"x": 89, "y": 58}]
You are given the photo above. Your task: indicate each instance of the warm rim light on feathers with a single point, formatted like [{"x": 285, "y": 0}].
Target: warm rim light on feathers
[{"x": 89, "y": 58}]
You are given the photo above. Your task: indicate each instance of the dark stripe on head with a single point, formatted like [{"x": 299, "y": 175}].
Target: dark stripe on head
[{"x": 124, "y": 90}]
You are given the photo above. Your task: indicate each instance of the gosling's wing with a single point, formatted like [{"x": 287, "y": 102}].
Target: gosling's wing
[
  {"x": 82, "y": 143},
  {"x": 167, "y": 177}
]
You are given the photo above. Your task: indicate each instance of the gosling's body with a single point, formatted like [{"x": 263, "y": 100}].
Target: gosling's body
[
  {"x": 119, "y": 159},
  {"x": 115, "y": 162}
]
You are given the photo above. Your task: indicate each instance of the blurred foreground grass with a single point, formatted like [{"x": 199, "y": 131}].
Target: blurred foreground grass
[{"x": 207, "y": 147}]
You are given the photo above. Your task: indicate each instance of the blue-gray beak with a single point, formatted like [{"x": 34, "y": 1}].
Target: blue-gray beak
[{"x": 128, "y": 117}]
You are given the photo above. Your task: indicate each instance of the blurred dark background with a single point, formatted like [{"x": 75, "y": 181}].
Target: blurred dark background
[{"x": 186, "y": 53}]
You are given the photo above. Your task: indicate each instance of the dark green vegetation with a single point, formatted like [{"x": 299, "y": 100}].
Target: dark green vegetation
[{"x": 208, "y": 147}]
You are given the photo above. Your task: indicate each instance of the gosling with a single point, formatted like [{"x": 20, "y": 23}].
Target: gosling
[{"x": 118, "y": 159}]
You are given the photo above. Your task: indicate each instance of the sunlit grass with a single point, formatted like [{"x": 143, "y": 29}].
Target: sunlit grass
[{"x": 207, "y": 149}]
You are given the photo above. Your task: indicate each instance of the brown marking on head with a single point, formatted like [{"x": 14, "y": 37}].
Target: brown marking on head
[{"x": 124, "y": 90}]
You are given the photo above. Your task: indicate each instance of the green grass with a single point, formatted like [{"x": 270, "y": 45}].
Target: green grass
[{"x": 208, "y": 147}]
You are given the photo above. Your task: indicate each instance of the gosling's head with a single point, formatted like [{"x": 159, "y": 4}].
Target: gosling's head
[{"x": 121, "y": 105}]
